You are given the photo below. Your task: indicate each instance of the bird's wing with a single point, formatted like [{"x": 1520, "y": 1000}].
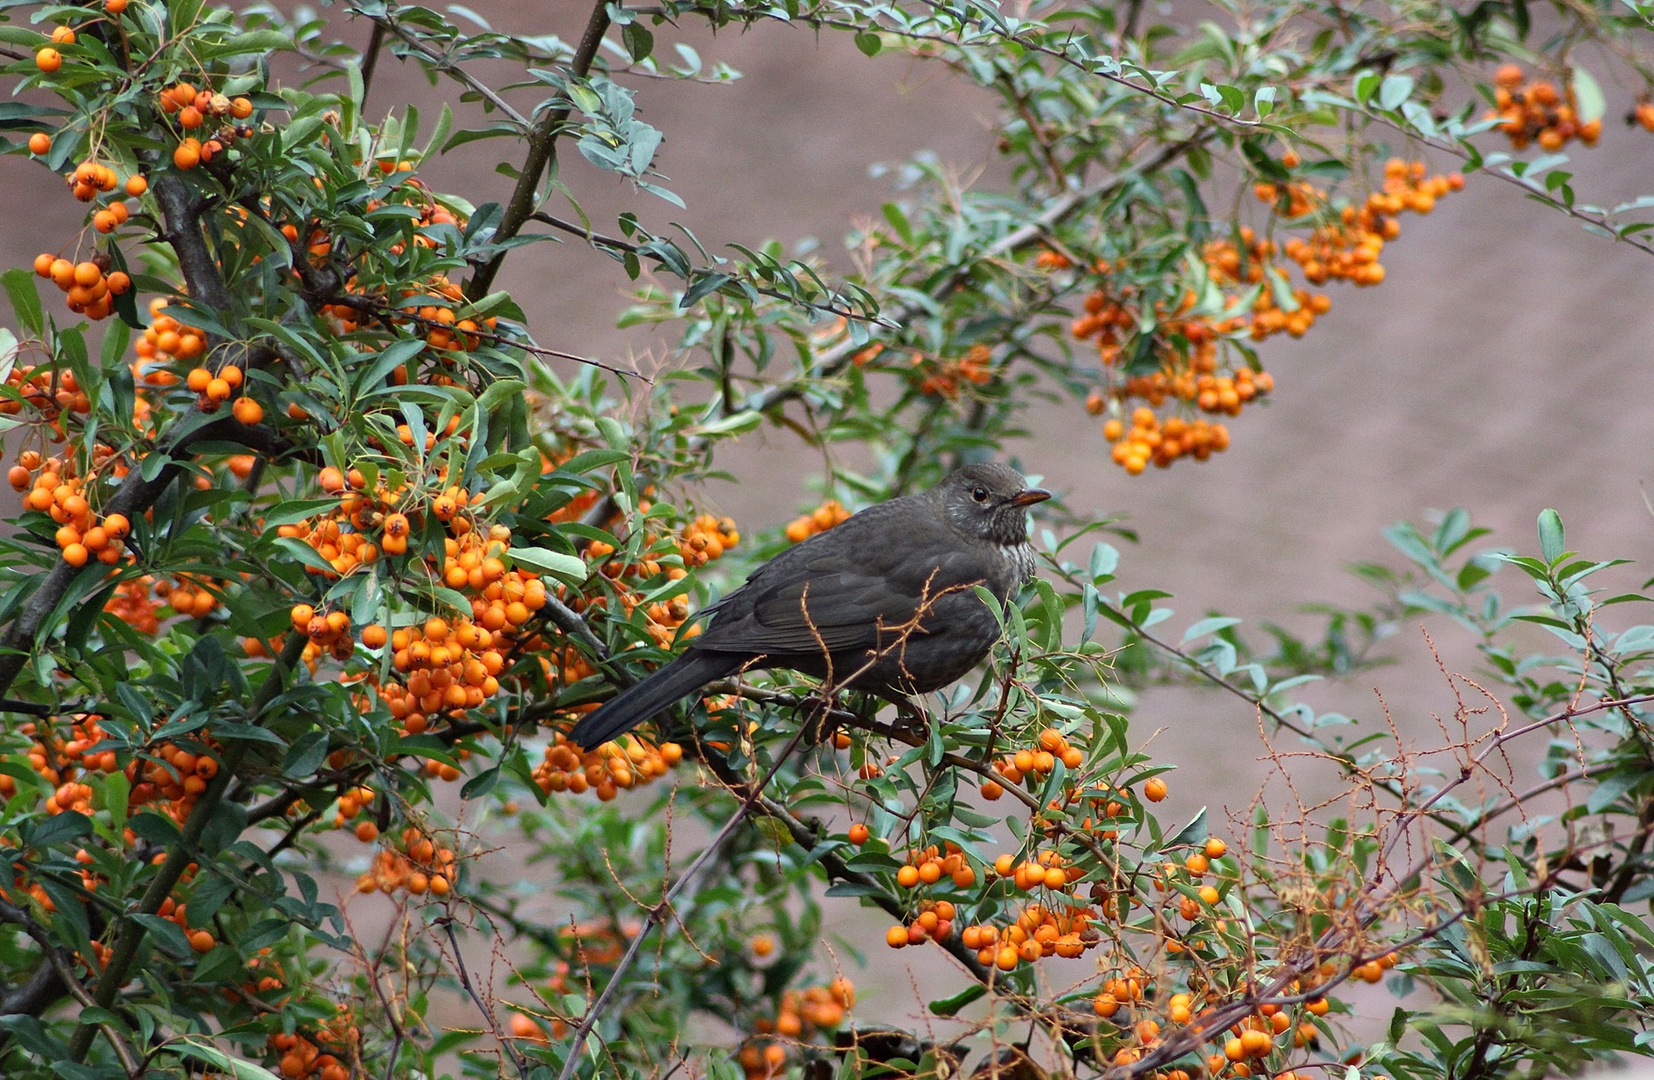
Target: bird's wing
[{"x": 836, "y": 589}]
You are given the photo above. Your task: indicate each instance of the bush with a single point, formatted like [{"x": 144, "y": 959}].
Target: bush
[{"x": 311, "y": 528}]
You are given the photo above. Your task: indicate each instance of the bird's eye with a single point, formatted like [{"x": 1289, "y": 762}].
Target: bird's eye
[{"x": 980, "y": 494}]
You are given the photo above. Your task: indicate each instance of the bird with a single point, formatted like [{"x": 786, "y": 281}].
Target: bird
[{"x": 884, "y": 602}]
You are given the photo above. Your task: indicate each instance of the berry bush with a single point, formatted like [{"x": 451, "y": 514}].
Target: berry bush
[{"x": 317, "y": 552}]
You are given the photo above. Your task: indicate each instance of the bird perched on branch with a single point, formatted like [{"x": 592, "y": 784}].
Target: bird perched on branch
[{"x": 884, "y": 602}]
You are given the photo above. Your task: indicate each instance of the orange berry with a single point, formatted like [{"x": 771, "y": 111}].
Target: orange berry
[
  {"x": 859, "y": 833},
  {"x": 63, "y": 35},
  {"x": 114, "y": 7},
  {"x": 76, "y": 555},
  {"x": 187, "y": 155},
  {"x": 367, "y": 832},
  {"x": 88, "y": 274},
  {"x": 40, "y": 144},
  {"x": 1216, "y": 849},
  {"x": 202, "y": 941},
  {"x": 247, "y": 411},
  {"x": 136, "y": 185},
  {"x": 907, "y": 877},
  {"x": 1155, "y": 789},
  {"x": 896, "y": 937},
  {"x": 48, "y": 60}
]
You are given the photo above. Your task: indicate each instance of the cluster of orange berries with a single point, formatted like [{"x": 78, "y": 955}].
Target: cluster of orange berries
[
  {"x": 81, "y": 535},
  {"x": 1249, "y": 1040},
  {"x": 345, "y": 538},
  {"x": 443, "y": 329},
  {"x": 214, "y": 389},
  {"x": 59, "y": 761},
  {"x": 1149, "y": 440},
  {"x": 1538, "y": 112},
  {"x": 1039, "y": 931},
  {"x": 163, "y": 342},
  {"x": 351, "y": 804},
  {"x": 1349, "y": 249},
  {"x": 91, "y": 287},
  {"x": 927, "y": 866},
  {"x": 442, "y": 667},
  {"x": 46, "y": 389},
  {"x": 943, "y": 378},
  {"x": 627, "y": 762},
  {"x": 187, "y": 595},
  {"x": 819, "y": 520},
  {"x": 1267, "y": 317},
  {"x": 802, "y": 1013},
  {"x": 1187, "y": 349},
  {"x": 201, "y": 940},
  {"x": 47, "y": 58},
  {"x": 420, "y": 866},
  {"x": 707, "y": 538},
  {"x": 192, "y": 109},
  {"x": 177, "y": 779},
  {"x": 133, "y": 603},
  {"x": 302, "y": 1057},
  {"x": 704, "y": 539},
  {"x": 325, "y": 632},
  {"x": 1052, "y": 746}
]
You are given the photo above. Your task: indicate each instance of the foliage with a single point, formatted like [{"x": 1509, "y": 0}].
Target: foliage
[{"x": 318, "y": 528}]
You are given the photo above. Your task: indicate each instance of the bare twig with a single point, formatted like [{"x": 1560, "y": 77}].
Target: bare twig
[{"x": 662, "y": 911}]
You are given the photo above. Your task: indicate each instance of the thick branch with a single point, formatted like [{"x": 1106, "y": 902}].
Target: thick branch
[{"x": 542, "y": 152}]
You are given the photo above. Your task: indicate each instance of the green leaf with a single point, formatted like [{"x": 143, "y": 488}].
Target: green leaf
[
  {"x": 191, "y": 1046},
  {"x": 869, "y": 44},
  {"x": 1550, "y": 535},
  {"x": 950, "y": 1006},
  {"x": 638, "y": 40},
  {"x": 25, "y": 300},
  {"x": 1588, "y": 96},
  {"x": 569, "y": 568},
  {"x": 1394, "y": 90}
]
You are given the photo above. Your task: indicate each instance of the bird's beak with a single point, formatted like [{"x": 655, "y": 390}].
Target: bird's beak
[{"x": 1030, "y": 496}]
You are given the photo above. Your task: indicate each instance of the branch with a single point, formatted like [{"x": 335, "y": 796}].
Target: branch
[
  {"x": 542, "y": 152},
  {"x": 662, "y": 911},
  {"x": 833, "y": 361},
  {"x": 448, "y": 67},
  {"x": 130, "y": 935}
]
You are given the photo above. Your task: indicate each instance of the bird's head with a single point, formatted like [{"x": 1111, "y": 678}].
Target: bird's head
[{"x": 988, "y": 501}]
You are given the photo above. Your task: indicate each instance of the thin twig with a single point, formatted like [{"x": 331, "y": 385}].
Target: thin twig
[
  {"x": 660, "y": 912},
  {"x": 447, "y": 922}
]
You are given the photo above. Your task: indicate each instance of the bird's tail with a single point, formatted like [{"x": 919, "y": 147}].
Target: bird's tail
[{"x": 693, "y": 669}]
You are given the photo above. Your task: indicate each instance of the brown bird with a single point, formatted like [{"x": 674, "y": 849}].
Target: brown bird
[{"x": 883, "y": 602}]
